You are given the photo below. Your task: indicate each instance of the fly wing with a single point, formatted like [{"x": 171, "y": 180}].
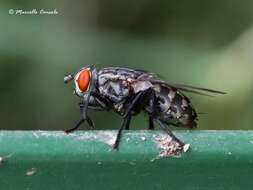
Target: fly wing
[
  {"x": 142, "y": 75},
  {"x": 185, "y": 87},
  {"x": 188, "y": 88}
]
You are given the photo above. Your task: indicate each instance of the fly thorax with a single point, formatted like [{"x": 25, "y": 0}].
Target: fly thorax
[{"x": 114, "y": 90}]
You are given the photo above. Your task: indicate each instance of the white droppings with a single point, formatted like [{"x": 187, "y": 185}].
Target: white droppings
[
  {"x": 168, "y": 146},
  {"x": 31, "y": 172},
  {"x": 110, "y": 141},
  {"x": 49, "y": 133},
  {"x": 3, "y": 158},
  {"x": 143, "y": 138},
  {"x": 229, "y": 153},
  {"x": 186, "y": 147},
  {"x": 107, "y": 137},
  {"x": 127, "y": 140},
  {"x": 35, "y": 134},
  {"x": 132, "y": 163},
  {"x": 99, "y": 163},
  {"x": 153, "y": 159}
]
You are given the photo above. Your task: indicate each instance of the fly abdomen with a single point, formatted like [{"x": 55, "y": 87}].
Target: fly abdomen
[{"x": 175, "y": 108}]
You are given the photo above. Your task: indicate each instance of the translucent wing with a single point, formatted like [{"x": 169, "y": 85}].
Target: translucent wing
[
  {"x": 154, "y": 79},
  {"x": 188, "y": 88},
  {"x": 198, "y": 88}
]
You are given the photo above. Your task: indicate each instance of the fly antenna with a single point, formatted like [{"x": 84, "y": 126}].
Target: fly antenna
[
  {"x": 68, "y": 77},
  {"x": 201, "y": 113}
]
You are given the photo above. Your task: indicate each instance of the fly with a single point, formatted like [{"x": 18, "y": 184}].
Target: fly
[{"x": 129, "y": 92}]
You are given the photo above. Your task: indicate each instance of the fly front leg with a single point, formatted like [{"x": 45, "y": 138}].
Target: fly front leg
[
  {"x": 84, "y": 116},
  {"x": 91, "y": 101},
  {"x": 76, "y": 126}
]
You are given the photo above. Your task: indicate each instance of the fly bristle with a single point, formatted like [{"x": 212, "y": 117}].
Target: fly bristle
[{"x": 201, "y": 113}]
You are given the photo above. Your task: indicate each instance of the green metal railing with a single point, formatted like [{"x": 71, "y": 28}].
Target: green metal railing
[{"x": 85, "y": 160}]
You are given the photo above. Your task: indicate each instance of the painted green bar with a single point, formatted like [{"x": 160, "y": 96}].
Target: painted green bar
[{"x": 41, "y": 160}]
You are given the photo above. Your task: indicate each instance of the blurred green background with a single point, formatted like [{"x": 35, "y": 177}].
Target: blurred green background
[{"x": 201, "y": 43}]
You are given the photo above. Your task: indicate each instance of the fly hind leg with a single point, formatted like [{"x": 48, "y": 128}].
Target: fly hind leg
[
  {"x": 169, "y": 132},
  {"x": 154, "y": 117},
  {"x": 151, "y": 123},
  {"x": 153, "y": 102},
  {"x": 124, "y": 125}
]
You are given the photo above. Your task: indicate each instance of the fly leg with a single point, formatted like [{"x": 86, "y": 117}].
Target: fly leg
[
  {"x": 87, "y": 103},
  {"x": 128, "y": 124},
  {"x": 136, "y": 105},
  {"x": 85, "y": 117},
  {"x": 103, "y": 103},
  {"x": 153, "y": 110},
  {"x": 88, "y": 119},
  {"x": 76, "y": 126},
  {"x": 151, "y": 123},
  {"x": 153, "y": 117},
  {"x": 164, "y": 128},
  {"x": 124, "y": 125}
]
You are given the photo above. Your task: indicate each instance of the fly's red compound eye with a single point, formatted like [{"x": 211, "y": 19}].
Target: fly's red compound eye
[{"x": 83, "y": 80}]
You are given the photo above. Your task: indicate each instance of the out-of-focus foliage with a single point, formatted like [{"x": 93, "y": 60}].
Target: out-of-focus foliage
[{"x": 201, "y": 43}]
